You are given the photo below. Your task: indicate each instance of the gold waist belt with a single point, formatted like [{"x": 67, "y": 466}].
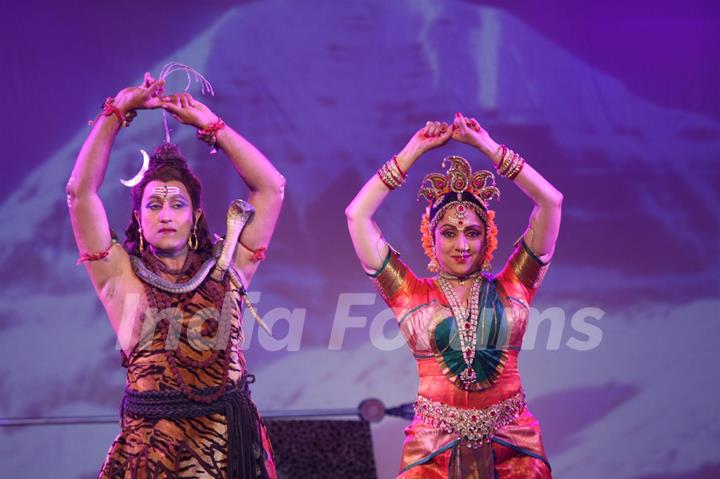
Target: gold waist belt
[{"x": 475, "y": 425}]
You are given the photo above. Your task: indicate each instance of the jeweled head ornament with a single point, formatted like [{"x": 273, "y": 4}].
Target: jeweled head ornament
[{"x": 459, "y": 188}]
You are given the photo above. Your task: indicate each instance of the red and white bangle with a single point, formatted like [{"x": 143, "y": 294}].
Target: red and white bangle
[
  {"x": 511, "y": 163},
  {"x": 209, "y": 134},
  {"x": 109, "y": 109},
  {"x": 397, "y": 168},
  {"x": 391, "y": 174}
]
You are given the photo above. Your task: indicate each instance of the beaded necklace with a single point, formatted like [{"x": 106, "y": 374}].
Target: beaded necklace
[
  {"x": 161, "y": 300},
  {"x": 466, "y": 320}
]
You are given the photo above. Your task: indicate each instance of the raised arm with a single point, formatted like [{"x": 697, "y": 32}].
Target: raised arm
[
  {"x": 87, "y": 213},
  {"x": 544, "y": 226},
  {"x": 265, "y": 182},
  {"x": 367, "y": 238}
]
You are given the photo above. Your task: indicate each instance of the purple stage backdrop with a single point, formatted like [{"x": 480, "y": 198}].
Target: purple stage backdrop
[{"x": 616, "y": 105}]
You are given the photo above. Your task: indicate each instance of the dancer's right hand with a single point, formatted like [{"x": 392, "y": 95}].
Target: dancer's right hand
[
  {"x": 431, "y": 136},
  {"x": 141, "y": 97}
]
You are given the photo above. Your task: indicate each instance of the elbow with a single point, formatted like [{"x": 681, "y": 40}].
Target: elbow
[
  {"x": 279, "y": 187},
  {"x": 72, "y": 190},
  {"x": 275, "y": 189},
  {"x": 78, "y": 192},
  {"x": 76, "y": 189},
  {"x": 358, "y": 211},
  {"x": 555, "y": 199},
  {"x": 350, "y": 213},
  {"x": 558, "y": 198}
]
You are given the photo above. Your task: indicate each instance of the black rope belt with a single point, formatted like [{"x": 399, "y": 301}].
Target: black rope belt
[{"x": 245, "y": 456}]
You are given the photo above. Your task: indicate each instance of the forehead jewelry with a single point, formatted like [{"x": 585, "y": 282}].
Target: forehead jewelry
[
  {"x": 165, "y": 190},
  {"x": 461, "y": 212}
]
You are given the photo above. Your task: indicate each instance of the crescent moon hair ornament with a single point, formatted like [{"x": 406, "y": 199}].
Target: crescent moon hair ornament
[{"x": 136, "y": 179}]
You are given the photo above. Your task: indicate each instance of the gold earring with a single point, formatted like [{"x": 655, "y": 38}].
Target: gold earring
[
  {"x": 433, "y": 266},
  {"x": 486, "y": 265},
  {"x": 193, "y": 242},
  {"x": 141, "y": 245}
]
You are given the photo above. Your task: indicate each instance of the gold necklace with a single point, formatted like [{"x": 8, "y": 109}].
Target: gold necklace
[
  {"x": 459, "y": 279},
  {"x": 466, "y": 320}
]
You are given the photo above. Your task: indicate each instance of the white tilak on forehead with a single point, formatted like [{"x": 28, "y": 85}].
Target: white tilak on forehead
[{"x": 165, "y": 190}]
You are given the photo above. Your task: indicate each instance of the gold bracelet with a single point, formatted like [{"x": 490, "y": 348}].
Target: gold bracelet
[
  {"x": 387, "y": 178},
  {"x": 506, "y": 162},
  {"x": 511, "y": 163},
  {"x": 518, "y": 168},
  {"x": 395, "y": 172},
  {"x": 391, "y": 174}
]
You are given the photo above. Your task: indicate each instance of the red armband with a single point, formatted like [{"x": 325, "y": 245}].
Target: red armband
[
  {"x": 257, "y": 254},
  {"x": 109, "y": 109},
  {"x": 94, "y": 256}
]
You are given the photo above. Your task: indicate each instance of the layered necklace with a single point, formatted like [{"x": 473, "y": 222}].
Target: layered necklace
[
  {"x": 466, "y": 319},
  {"x": 161, "y": 300}
]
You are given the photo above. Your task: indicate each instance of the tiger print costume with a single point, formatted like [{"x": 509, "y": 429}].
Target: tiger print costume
[{"x": 186, "y": 350}]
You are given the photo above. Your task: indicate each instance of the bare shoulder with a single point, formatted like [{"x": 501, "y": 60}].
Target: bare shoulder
[
  {"x": 122, "y": 282},
  {"x": 107, "y": 272}
]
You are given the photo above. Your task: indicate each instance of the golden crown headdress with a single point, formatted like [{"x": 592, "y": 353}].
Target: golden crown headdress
[{"x": 458, "y": 185}]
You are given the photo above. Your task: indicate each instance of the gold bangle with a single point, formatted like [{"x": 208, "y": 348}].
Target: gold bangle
[
  {"x": 392, "y": 174},
  {"x": 389, "y": 180},
  {"x": 395, "y": 172},
  {"x": 513, "y": 164},
  {"x": 518, "y": 169},
  {"x": 381, "y": 175},
  {"x": 506, "y": 162}
]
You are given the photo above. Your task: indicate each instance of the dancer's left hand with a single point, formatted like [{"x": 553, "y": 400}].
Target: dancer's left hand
[
  {"x": 145, "y": 96},
  {"x": 185, "y": 109},
  {"x": 468, "y": 130}
]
